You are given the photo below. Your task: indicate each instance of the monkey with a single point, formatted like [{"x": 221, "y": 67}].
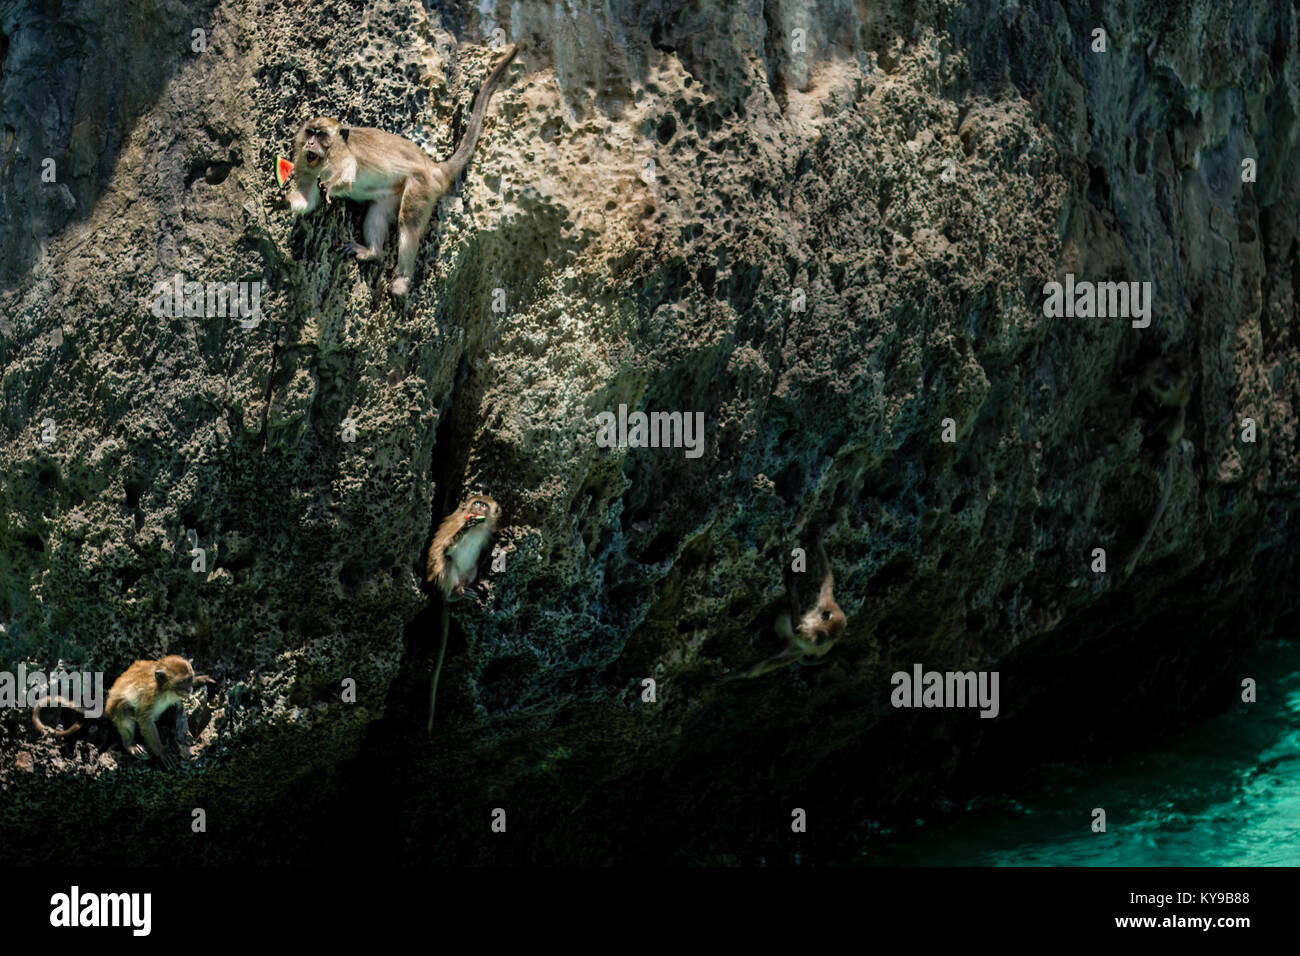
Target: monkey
[
  {"x": 453, "y": 561},
  {"x": 817, "y": 629},
  {"x": 458, "y": 545},
  {"x": 1166, "y": 384},
  {"x": 397, "y": 178},
  {"x": 136, "y": 700},
  {"x": 124, "y": 699}
]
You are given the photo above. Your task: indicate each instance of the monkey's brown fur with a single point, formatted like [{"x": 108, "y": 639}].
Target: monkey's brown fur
[
  {"x": 452, "y": 564},
  {"x": 136, "y": 700},
  {"x": 397, "y": 178},
  {"x": 458, "y": 545}
]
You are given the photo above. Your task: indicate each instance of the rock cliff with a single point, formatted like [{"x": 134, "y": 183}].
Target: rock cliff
[{"x": 826, "y": 226}]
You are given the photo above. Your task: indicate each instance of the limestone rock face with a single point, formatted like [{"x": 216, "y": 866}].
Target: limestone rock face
[{"x": 826, "y": 227}]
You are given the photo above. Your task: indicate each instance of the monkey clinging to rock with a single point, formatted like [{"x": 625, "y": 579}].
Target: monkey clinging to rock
[
  {"x": 1165, "y": 389},
  {"x": 144, "y": 692},
  {"x": 452, "y": 565},
  {"x": 809, "y": 633},
  {"x": 459, "y": 544},
  {"x": 399, "y": 180}
]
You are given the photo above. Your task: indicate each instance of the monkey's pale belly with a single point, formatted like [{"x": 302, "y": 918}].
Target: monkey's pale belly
[
  {"x": 465, "y": 553},
  {"x": 367, "y": 191}
]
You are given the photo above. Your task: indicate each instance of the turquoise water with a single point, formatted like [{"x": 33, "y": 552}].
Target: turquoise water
[{"x": 1226, "y": 792}]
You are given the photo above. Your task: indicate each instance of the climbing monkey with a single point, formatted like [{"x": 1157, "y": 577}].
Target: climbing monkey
[
  {"x": 452, "y": 564},
  {"x": 807, "y": 633},
  {"x": 1165, "y": 386},
  {"x": 145, "y": 691},
  {"x": 399, "y": 180}
]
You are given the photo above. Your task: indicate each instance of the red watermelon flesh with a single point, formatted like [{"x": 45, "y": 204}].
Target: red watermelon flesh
[{"x": 282, "y": 170}]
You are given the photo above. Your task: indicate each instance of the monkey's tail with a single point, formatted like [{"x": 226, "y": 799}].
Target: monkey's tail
[
  {"x": 452, "y": 166},
  {"x": 1155, "y": 518},
  {"x": 437, "y": 668},
  {"x": 61, "y": 703}
]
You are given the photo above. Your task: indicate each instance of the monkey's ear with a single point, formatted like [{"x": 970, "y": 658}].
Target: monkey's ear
[
  {"x": 343, "y": 133},
  {"x": 160, "y": 676}
]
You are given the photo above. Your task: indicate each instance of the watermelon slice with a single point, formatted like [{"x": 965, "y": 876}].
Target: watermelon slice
[{"x": 282, "y": 170}]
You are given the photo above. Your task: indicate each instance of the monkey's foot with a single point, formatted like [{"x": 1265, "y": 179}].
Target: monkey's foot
[
  {"x": 400, "y": 286},
  {"x": 363, "y": 252}
]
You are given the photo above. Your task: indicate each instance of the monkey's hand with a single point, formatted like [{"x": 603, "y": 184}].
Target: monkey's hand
[
  {"x": 139, "y": 752},
  {"x": 341, "y": 181},
  {"x": 336, "y": 185}
]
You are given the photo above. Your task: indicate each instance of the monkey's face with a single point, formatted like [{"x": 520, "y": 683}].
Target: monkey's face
[
  {"x": 483, "y": 507},
  {"x": 314, "y": 140},
  {"x": 175, "y": 672},
  {"x": 821, "y": 627},
  {"x": 830, "y": 624},
  {"x": 833, "y": 623}
]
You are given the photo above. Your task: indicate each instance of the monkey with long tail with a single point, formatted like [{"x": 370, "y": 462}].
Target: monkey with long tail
[{"x": 453, "y": 561}]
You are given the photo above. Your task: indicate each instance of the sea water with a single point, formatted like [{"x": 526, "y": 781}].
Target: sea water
[{"x": 1225, "y": 792}]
